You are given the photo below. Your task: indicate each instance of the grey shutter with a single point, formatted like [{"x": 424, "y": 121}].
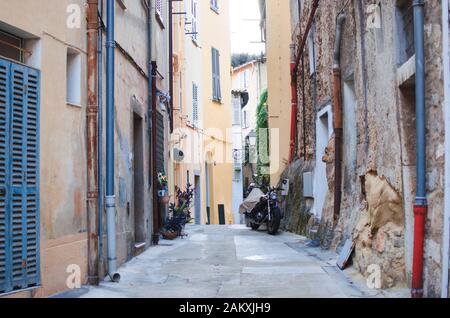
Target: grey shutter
[
  {"x": 160, "y": 141},
  {"x": 213, "y": 62},
  {"x": 219, "y": 91}
]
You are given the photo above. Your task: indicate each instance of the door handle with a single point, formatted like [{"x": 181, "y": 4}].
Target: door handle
[{"x": 2, "y": 191}]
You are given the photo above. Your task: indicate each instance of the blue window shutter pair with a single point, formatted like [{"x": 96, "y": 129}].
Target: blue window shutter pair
[
  {"x": 19, "y": 176},
  {"x": 217, "y": 93}
]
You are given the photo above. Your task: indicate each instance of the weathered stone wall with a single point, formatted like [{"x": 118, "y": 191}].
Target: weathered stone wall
[{"x": 379, "y": 137}]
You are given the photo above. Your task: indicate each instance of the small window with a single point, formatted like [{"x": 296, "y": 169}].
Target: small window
[
  {"x": 159, "y": 10},
  {"x": 11, "y": 47},
  {"x": 215, "y": 5},
  {"x": 217, "y": 93},
  {"x": 195, "y": 114},
  {"x": 312, "y": 51},
  {"x": 405, "y": 31},
  {"x": 244, "y": 119},
  {"x": 244, "y": 79},
  {"x": 73, "y": 93}
]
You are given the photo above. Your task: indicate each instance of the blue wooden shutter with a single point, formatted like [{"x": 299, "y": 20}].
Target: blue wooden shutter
[
  {"x": 4, "y": 150},
  {"x": 195, "y": 114},
  {"x": 219, "y": 91},
  {"x": 217, "y": 94},
  {"x": 22, "y": 179},
  {"x": 214, "y": 82}
]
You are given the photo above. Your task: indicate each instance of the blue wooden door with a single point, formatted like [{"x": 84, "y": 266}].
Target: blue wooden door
[{"x": 19, "y": 176}]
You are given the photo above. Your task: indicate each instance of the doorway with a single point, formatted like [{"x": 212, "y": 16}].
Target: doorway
[
  {"x": 323, "y": 133},
  {"x": 138, "y": 179},
  {"x": 208, "y": 193},
  {"x": 197, "y": 200}
]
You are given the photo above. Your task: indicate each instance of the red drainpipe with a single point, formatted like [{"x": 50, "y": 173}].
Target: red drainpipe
[
  {"x": 294, "y": 93},
  {"x": 420, "y": 214},
  {"x": 92, "y": 137}
]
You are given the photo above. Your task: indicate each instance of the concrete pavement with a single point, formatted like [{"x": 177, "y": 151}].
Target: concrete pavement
[{"x": 234, "y": 262}]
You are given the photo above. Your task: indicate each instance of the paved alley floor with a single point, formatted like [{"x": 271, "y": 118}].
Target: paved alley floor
[{"x": 233, "y": 262}]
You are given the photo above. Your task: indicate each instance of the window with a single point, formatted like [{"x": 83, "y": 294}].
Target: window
[
  {"x": 405, "y": 31},
  {"x": 195, "y": 114},
  {"x": 244, "y": 119},
  {"x": 215, "y": 56},
  {"x": 73, "y": 76},
  {"x": 244, "y": 79},
  {"x": 237, "y": 112},
  {"x": 159, "y": 10},
  {"x": 312, "y": 51},
  {"x": 214, "y": 5},
  {"x": 11, "y": 47},
  {"x": 194, "y": 8}
]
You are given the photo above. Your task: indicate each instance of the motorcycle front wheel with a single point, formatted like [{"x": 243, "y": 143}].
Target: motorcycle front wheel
[{"x": 274, "y": 224}]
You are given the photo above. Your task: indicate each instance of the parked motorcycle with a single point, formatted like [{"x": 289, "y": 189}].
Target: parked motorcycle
[{"x": 262, "y": 208}]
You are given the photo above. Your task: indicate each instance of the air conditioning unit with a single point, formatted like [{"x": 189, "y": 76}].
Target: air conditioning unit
[{"x": 178, "y": 155}]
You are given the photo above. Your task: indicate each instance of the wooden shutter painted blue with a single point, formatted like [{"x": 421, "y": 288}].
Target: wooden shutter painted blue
[
  {"x": 32, "y": 178},
  {"x": 5, "y": 266},
  {"x": 195, "y": 114},
  {"x": 22, "y": 179}
]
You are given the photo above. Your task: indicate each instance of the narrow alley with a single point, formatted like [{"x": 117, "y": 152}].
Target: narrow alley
[
  {"x": 224, "y": 149},
  {"x": 234, "y": 262}
]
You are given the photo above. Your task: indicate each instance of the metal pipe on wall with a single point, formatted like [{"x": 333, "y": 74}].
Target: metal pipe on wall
[
  {"x": 110, "y": 194},
  {"x": 100, "y": 135},
  {"x": 294, "y": 109},
  {"x": 171, "y": 113},
  {"x": 92, "y": 138},
  {"x": 420, "y": 207},
  {"x": 446, "y": 229},
  {"x": 155, "y": 236},
  {"x": 337, "y": 113}
]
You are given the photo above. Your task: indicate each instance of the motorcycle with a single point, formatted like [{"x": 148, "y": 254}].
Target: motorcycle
[{"x": 262, "y": 208}]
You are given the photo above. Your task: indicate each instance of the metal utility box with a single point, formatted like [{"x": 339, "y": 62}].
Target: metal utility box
[{"x": 308, "y": 185}]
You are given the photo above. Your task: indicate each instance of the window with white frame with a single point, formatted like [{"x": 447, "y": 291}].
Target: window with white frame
[
  {"x": 244, "y": 119},
  {"x": 73, "y": 76}
]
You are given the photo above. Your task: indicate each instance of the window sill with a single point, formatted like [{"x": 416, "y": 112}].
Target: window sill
[
  {"x": 195, "y": 41},
  {"x": 74, "y": 105},
  {"x": 160, "y": 20}
]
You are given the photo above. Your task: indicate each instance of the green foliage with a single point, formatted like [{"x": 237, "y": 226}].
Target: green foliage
[
  {"x": 239, "y": 59},
  {"x": 262, "y": 124}
]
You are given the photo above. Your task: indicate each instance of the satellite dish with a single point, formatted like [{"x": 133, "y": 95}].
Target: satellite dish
[{"x": 178, "y": 155}]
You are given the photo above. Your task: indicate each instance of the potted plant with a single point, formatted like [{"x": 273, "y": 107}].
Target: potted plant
[
  {"x": 163, "y": 191},
  {"x": 180, "y": 214}
]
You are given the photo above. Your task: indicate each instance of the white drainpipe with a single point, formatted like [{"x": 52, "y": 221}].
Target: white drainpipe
[{"x": 446, "y": 65}]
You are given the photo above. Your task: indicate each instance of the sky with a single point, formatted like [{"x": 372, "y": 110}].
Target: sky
[{"x": 245, "y": 29}]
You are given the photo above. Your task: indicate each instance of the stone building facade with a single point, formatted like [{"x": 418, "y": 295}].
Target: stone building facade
[{"x": 378, "y": 151}]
